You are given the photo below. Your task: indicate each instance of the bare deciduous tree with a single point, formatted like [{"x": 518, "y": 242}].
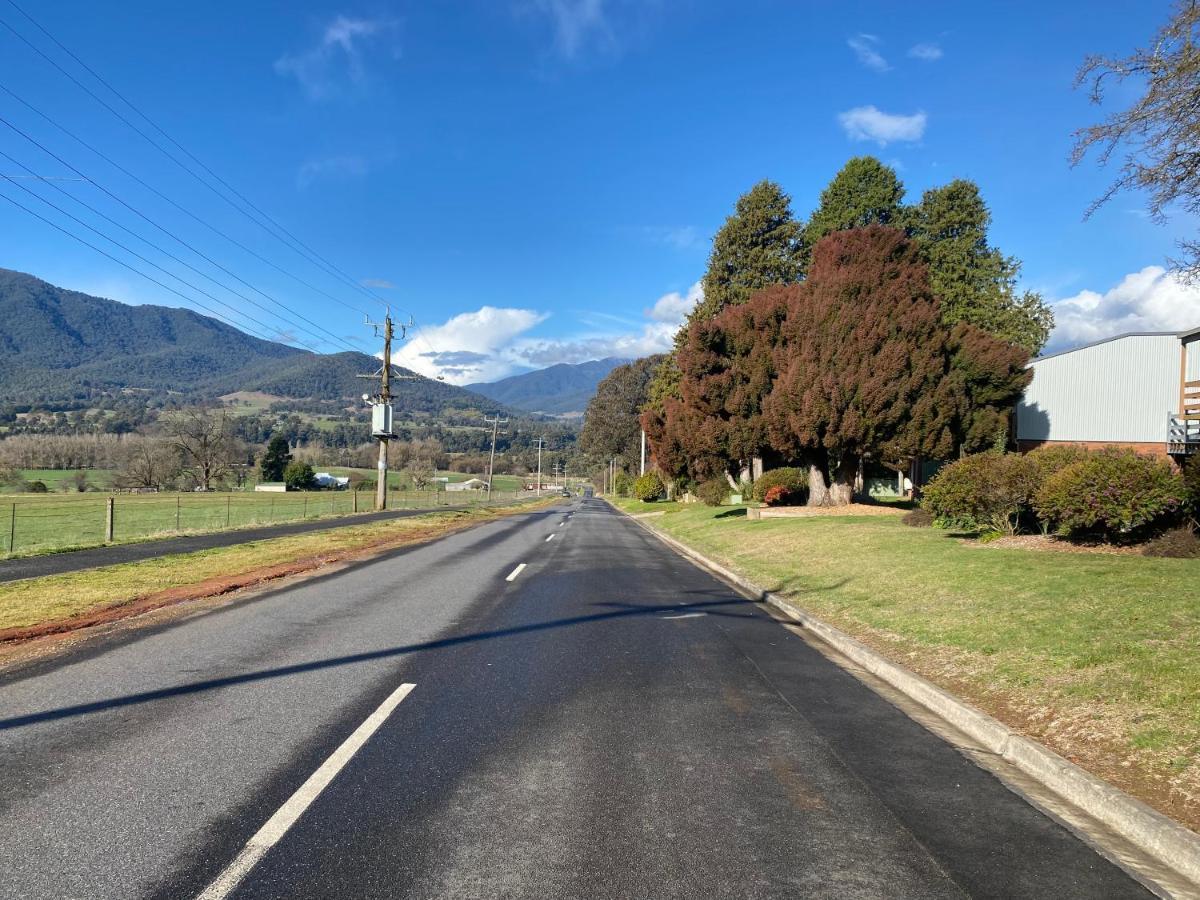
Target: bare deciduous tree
[
  {"x": 148, "y": 463},
  {"x": 204, "y": 442},
  {"x": 1160, "y": 133}
]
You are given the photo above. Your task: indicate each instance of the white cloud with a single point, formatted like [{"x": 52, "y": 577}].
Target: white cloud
[
  {"x": 381, "y": 283},
  {"x": 577, "y": 23},
  {"x": 864, "y": 47},
  {"x": 492, "y": 343},
  {"x": 867, "y": 123},
  {"x": 468, "y": 347},
  {"x": 338, "y": 57},
  {"x": 925, "y": 52},
  {"x": 1150, "y": 300}
]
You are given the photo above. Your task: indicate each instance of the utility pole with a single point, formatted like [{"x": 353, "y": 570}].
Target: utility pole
[
  {"x": 540, "y": 443},
  {"x": 381, "y": 404},
  {"x": 496, "y": 423}
]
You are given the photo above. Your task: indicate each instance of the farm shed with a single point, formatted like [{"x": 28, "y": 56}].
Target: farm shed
[{"x": 1139, "y": 390}]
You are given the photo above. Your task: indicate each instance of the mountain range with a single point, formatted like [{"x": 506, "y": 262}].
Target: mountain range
[
  {"x": 562, "y": 389},
  {"x": 59, "y": 345}
]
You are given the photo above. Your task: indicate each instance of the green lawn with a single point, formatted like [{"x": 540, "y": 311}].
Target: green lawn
[
  {"x": 63, "y": 479},
  {"x": 1094, "y": 653}
]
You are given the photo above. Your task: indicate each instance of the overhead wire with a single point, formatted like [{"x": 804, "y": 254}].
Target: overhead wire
[
  {"x": 151, "y": 262},
  {"x": 304, "y": 250},
  {"x": 152, "y": 222},
  {"x": 131, "y": 268},
  {"x": 185, "y": 263}
]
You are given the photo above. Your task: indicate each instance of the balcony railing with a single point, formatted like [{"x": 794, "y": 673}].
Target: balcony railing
[{"x": 1183, "y": 433}]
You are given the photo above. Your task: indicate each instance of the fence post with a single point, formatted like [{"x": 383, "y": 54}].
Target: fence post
[
  {"x": 227, "y": 499},
  {"x": 176, "y": 512},
  {"x": 304, "y": 512},
  {"x": 356, "y": 499},
  {"x": 332, "y": 498},
  {"x": 12, "y": 529},
  {"x": 108, "y": 520}
]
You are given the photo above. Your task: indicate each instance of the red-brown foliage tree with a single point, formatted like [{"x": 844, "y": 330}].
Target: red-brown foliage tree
[
  {"x": 866, "y": 367},
  {"x": 727, "y": 368}
]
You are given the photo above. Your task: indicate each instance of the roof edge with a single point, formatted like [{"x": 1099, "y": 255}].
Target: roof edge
[{"x": 1182, "y": 335}]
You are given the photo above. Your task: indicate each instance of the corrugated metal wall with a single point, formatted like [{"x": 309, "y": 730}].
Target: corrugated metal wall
[
  {"x": 1121, "y": 391},
  {"x": 1193, "y": 360}
]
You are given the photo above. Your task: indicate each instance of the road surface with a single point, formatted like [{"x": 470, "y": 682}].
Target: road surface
[
  {"x": 93, "y": 557},
  {"x": 549, "y": 705}
]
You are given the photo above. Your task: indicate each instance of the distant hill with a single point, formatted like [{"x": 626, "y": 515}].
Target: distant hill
[
  {"x": 556, "y": 390},
  {"x": 57, "y": 344}
]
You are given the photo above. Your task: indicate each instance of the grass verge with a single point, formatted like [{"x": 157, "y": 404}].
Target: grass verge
[
  {"x": 59, "y": 603},
  {"x": 1095, "y": 655}
]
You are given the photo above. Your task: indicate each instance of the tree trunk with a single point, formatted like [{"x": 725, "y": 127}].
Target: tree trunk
[
  {"x": 818, "y": 487},
  {"x": 841, "y": 484}
]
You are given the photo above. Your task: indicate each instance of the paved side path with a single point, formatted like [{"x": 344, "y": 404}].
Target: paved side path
[
  {"x": 592, "y": 717},
  {"x": 92, "y": 557}
]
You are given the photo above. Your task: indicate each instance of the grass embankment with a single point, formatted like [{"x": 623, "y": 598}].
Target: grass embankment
[
  {"x": 1094, "y": 654},
  {"x": 63, "y": 602}
]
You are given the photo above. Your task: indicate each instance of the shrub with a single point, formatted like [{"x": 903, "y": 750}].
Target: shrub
[
  {"x": 713, "y": 492},
  {"x": 987, "y": 491},
  {"x": 623, "y": 483},
  {"x": 1113, "y": 493},
  {"x": 299, "y": 476},
  {"x": 777, "y": 495},
  {"x": 918, "y": 518},
  {"x": 1191, "y": 486},
  {"x": 794, "y": 481},
  {"x": 649, "y": 487},
  {"x": 37, "y": 487},
  {"x": 1053, "y": 458},
  {"x": 1178, "y": 543}
]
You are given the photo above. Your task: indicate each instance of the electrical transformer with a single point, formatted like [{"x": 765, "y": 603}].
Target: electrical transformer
[{"x": 381, "y": 420}]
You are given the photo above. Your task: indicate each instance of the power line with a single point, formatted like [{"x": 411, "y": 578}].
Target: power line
[
  {"x": 140, "y": 132},
  {"x": 161, "y": 228},
  {"x": 292, "y": 242},
  {"x": 172, "y": 256},
  {"x": 150, "y": 262},
  {"x": 137, "y": 271},
  {"x": 305, "y": 250},
  {"x": 128, "y": 174}
]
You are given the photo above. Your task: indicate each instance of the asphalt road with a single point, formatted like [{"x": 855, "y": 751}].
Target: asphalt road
[
  {"x": 612, "y": 722},
  {"x": 93, "y": 557}
]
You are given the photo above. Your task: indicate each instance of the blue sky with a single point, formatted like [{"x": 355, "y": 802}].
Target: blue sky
[{"x": 537, "y": 181}]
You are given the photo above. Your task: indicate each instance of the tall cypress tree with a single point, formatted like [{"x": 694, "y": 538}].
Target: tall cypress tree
[
  {"x": 276, "y": 458},
  {"x": 865, "y": 192},
  {"x": 756, "y": 247},
  {"x": 974, "y": 281}
]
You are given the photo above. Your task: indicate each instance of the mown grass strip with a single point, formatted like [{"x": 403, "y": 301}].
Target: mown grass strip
[
  {"x": 1094, "y": 654},
  {"x": 62, "y": 598}
]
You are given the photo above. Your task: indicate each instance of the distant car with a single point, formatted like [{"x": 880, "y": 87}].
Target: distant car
[{"x": 566, "y": 493}]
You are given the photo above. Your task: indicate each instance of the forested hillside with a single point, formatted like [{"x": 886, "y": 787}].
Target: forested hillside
[{"x": 59, "y": 345}]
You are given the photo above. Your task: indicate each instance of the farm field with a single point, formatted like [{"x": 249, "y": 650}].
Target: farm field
[{"x": 38, "y": 523}]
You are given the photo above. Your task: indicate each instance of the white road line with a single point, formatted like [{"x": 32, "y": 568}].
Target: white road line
[
  {"x": 561, "y": 524},
  {"x": 550, "y": 538},
  {"x": 515, "y": 572},
  {"x": 685, "y": 616},
  {"x": 285, "y": 817}
]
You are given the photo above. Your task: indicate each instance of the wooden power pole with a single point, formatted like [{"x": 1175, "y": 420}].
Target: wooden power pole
[
  {"x": 496, "y": 423},
  {"x": 381, "y": 403}
]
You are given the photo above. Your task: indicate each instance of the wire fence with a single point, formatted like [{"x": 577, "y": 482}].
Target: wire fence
[{"x": 31, "y": 524}]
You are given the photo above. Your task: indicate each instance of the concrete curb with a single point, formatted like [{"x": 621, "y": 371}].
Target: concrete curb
[{"x": 1171, "y": 844}]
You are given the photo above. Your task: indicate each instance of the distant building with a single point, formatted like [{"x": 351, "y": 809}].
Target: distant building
[
  {"x": 331, "y": 482},
  {"x": 1138, "y": 390},
  {"x": 271, "y": 486},
  {"x": 471, "y": 484}
]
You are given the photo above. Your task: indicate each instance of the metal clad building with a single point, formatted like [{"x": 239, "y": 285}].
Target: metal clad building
[{"x": 1123, "y": 390}]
